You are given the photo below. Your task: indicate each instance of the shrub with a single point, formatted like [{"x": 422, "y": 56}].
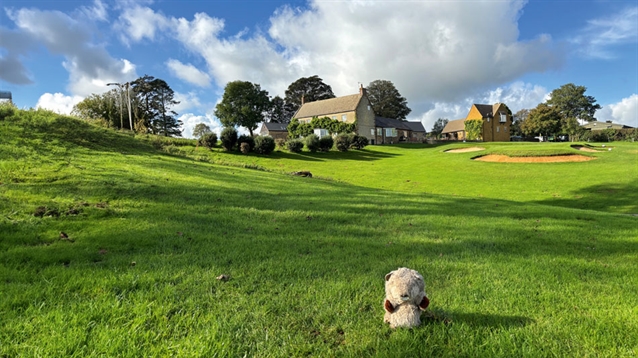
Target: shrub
[
  {"x": 312, "y": 142},
  {"x": 6, "y": 110},
  {"x": 294, "y": 145},
  {"x": 246, "y": 139},
  {"x": 208, "y": 140},
  {"x": 280, "y": 143},
  {"x": 228, "y": 138},
  {"x": 244, "y": 147},
  {"x": 264, "y": 144},
  {"x": 358, "y": 142},
  {"x": 325, "y": 143},
  {"x": 342, "y": 142}
]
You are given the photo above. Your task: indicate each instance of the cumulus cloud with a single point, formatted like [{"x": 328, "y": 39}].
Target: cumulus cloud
[
  {"x": 431, "y": 51},
  {"x": 139, "y": 22},
  {"x": 623, "y": 112},
  {"x": 89, "y": 65},
  {"x": 188, "y": 73},
  {"x": 190, "y": 120},
  {"x": 58, "y": 102},
  {"x": 600, "y": 36},
  {"x": 186, "y": 101}
]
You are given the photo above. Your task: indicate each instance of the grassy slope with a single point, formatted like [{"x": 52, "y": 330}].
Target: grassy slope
[{"x": 306, "y": 257}]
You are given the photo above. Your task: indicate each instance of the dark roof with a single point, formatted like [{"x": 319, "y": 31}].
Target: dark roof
[
  {"x": 456, "y": 125},
  {"x": 415, "y": 126},
  {"x": 276, "y": 127},
  {"x": 5, "y": 94},
  {"x": 390, "y": 123},
  {"x": 485, "y": 109}
]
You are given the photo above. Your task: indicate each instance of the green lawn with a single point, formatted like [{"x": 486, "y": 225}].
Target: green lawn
[{"x": 518, "y": 259}]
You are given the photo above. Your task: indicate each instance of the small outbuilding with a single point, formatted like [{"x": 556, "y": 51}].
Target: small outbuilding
[
  {"x": 275, "y": 130},
  {"x": 5, "y": 96}
]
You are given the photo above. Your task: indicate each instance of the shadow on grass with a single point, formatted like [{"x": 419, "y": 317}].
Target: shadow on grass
[{"x": 599, "y": 197}]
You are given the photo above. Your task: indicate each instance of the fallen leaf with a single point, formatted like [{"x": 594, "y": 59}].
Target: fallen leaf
[{"x": 223, "y": 277}]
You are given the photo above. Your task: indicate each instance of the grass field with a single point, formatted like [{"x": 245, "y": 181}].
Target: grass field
[{"x": 519, "y": 259}]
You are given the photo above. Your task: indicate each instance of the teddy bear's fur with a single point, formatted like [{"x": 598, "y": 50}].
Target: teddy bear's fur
[{"x": 405, "y": 297}]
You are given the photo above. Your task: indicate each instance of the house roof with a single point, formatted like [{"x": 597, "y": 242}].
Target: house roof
[
  {"x": 276, "y": 127},
  {"x": 415, "y": 126},
  {"x": 486, "y": 110},
  {"x": 5, "y": 95},
  {"x": 389, "y": 123},
  {"x": 329, "y": 106},
  {"x": 595, "y": 125},
  {"x": 456, "y": 125}
]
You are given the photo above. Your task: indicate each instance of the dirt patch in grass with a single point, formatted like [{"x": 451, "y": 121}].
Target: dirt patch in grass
[
  {"x": 584, "y": 149},
  {"x": 543, "y": 159},
  {"x": 465, "y": 150}
]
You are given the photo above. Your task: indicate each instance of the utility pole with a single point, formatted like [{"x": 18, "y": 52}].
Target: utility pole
[
  {"x": 120, "y": 86},
  {"x": 128, "y": 95}
]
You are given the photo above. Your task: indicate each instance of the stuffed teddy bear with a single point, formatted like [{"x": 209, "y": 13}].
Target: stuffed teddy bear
[{"x": 404, "y": 298}]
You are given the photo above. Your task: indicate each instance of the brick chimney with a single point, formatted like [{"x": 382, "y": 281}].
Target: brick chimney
[
  {"x": 362, "y": 91},
  {"x": 303, "y": 100}
]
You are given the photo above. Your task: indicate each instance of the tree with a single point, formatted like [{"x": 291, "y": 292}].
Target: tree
[
  {"x": 163, "y": 100},
  {"x": 571, "y": 102},
  {"x": 103, "y": 106},
  {"x": 277, "y": 111},
  {"x": 518, "y": 119},
  {"x": 386, "y": 100},
  {"x": 542, "y": 120},
  {"x": 438, "y": 127},
  {"x": 473, "y": 128},
  {"x": 201, "y": 129},
  {"x": 310, "y": 88},
  {"x": 243, "y": 104}
]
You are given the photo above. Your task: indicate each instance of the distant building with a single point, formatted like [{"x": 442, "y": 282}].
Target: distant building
[
  {"x": 5, "y": 96},
  {"x": 275, "y": 130},
  {"x": 496, "y": 118},
  {"x": 599, "y": 126}
]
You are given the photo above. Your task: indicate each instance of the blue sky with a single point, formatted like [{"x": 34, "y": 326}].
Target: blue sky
[{"x": 441, "y": 55}]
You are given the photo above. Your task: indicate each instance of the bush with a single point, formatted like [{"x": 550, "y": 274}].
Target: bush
[
  {"x": 246, "y": 139},
  {"x": 281, "y": 143},
  {"x": 6, "y": 110},
  {"x": 358, "y": 142},
  {"x": 294, "y": 145},
  {"x": 312, "y": 142},
  {"x": 244, "y": 147},
  {"x": 228, "y": 138},
  {"x": 342, "y": 142},
  {"x": 264, "y": 144},
  {"x": 325, "y": 143},
  {"x": 208, "y": 140}
]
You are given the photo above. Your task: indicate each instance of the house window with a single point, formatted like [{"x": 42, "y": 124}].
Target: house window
[
  {"x": 334, "y": 118},
  {"x": 321, "y": 132},
  {"x": 503, "y": 117},
  {"x": 371, "y": 131},
  {"x": 379, "y": 131},
  {"x": 368, "y": 107},
  {"x": 498, "y": 129},
  {"x": 390, "y": 132},
  {"x": 488, "y": 119},
  {"x": 344, "y": 117},
  {"x": 505, "y": 129}
]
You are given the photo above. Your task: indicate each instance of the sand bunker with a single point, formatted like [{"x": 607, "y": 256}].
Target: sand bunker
[
  {"x": 545, "y": 159},
  {"x": 465, "y": 150}
]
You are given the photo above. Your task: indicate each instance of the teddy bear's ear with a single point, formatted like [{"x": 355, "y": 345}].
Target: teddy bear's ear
[
  {"x": 387, "y": 277},
  {"x": 388, "y": 306}
]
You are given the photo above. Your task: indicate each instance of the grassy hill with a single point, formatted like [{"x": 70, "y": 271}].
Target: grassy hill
[{"x": 518, "y": 259}]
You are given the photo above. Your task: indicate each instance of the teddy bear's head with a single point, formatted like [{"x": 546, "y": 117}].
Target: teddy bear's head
[{"x": 404, "y": 286}]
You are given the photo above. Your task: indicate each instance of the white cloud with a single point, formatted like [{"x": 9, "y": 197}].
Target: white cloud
[
  {"x": 89, "y": 65},
  {"x": 186, "y": 101},
  {"x": 190, "y": 120},
  {"x": 601, "y": 35},
  {"x": 97, "y": 12},
  {"x": 139, "y": 22},
  {"x": 58, "y": 102},
  {"x": 188, "y": 73},
  {"x": 623, "y": 112}
]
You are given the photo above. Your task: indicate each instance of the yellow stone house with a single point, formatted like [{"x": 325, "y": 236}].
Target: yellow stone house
[{"x": 497, "y": 123}]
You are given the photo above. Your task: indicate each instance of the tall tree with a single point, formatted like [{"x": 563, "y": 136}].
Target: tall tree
[
  {"x": 243, "y": 104},
  {"x": 310, "y": 88},
  {"x": 105, "y": 106},
  {"x": 201, "y": 129},
  {"x": 571, "y": 102},
  {"x": 438, "y": 127},
  {"x": 163, "y": 100},
  {"x": 144, "y": 110},
  {"x": 277, "y": 111},
  {"x": 543, "y": 120},
  {"x": 386, "y": 100},
  {"x": 518, "y": 119}
]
